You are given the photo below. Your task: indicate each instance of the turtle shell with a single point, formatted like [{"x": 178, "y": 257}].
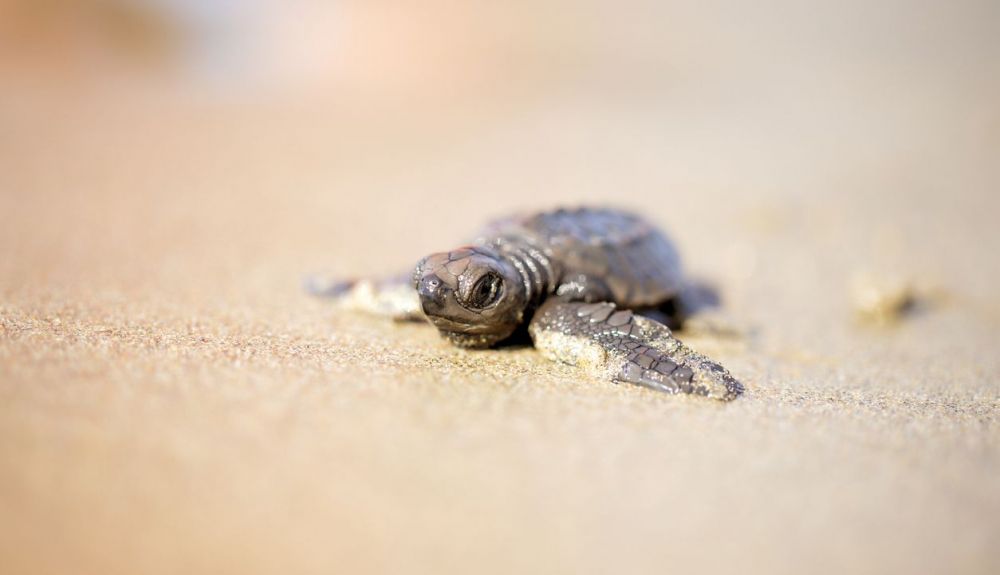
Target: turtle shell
[{"x": 636, "y": 262}]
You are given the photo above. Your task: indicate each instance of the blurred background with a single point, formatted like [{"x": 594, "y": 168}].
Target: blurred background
[
  {"x": 171, "y": 169},
  {"x": 279, "y": 126}
]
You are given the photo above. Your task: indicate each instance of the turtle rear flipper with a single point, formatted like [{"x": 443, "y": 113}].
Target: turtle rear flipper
[
  {"x": 623, "y": 347},
  {"x": 394, "y": 297}
]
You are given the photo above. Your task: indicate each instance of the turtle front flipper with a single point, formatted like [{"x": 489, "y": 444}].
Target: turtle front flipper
[
  {"x": 393, "y": 297},
  {"x": 621, "y": 346}
]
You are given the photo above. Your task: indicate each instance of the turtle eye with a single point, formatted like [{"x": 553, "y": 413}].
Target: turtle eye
[{"x": 485, "y": 291}]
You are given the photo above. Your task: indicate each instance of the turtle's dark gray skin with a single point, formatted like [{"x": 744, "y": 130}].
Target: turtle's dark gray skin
[{"x": 580, "y": 281}]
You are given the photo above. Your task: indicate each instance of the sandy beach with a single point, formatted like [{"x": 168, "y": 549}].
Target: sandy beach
[{"x": 171, "y": 401}]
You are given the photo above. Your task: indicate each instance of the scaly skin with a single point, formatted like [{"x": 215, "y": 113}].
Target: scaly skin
[
  {"x": 598, "y": 254},
  {"x": 575, "y": 276},
  {"x": 616, "y": 344}
]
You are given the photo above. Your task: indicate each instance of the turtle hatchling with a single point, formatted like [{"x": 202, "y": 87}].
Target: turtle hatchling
[{"x": 586, "y": 284}]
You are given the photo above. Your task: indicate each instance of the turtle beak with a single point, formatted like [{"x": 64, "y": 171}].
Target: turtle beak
[{"x": 432, "y": 293}]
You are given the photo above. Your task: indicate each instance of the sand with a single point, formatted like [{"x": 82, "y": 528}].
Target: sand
[{"x": 170, "y": 400}]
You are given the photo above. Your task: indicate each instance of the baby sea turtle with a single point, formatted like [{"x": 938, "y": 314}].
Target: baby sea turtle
[{"x": 585, "y": 282}]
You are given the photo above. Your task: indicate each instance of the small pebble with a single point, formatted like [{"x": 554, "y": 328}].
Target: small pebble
[{"x": 882, "y": 300}]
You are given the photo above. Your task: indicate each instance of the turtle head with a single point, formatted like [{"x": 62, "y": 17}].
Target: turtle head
[{"x": 473, "y": 296}]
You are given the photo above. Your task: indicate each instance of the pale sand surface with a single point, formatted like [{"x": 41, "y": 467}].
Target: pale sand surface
[{"x": 171, "y": 402}]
